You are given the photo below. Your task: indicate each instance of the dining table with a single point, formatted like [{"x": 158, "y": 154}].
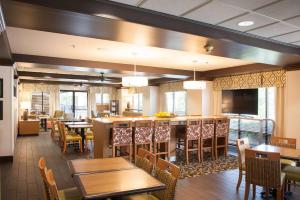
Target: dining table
[
  {"x": 288, "y": 153},
  {"x": 116, "y": 183},
  {"x": 86, "y": 166},
  {"x": 83, "y": 127}
]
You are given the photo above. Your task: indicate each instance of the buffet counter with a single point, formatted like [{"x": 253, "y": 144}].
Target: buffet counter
[{"x": 102, "y": 130}]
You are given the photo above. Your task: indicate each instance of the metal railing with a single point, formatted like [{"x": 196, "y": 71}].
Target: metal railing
[{"x": 257, "y": 130}]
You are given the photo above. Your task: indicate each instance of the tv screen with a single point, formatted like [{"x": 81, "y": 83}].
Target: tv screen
[{"x": 242, "y": 101}]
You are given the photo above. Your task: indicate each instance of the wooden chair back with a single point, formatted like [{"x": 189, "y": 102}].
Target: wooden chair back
[
  {"x": 58, "y": 114},
  {"x": 222, "y": 127},
  {"x": 143, "y": 131},
  {"x": 143, "y": 153},
  {"x": 122, "y": 133},
  {"x": 63, "y": 131},
  {"x": 52, "y": 185},
  {"x": 43, "y": 169},
  {"x": 168, "y": 174},
  {"x": 193, "y": 129},
  {"x": 168, "y": 166},
  {"x": 283, "y": 142},
  {"x": 162, "y": 130},
  {"x": 208, "y": 128},
  {"x": 242, "y": 144},
  {"x": 263, "y": 168}
]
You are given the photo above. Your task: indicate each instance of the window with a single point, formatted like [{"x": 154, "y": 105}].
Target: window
[
  {"x": 266, "y": 103},
  {"x": 137, "y": 101},
  {"x": 102, "y": 98},
  {"x": 176, "y": 102},
  {"x": 40, "y": 102},
  {"x": 74, "y": 102}
]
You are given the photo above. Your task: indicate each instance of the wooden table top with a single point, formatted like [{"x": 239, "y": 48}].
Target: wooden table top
[
  {"x": 81, "y": 126},
  {"x": 293, "y": 154},
  {"x": 109, "y": 120},
  {"x": 81, "y": 166},
  {"x": 116, "y": 183}
]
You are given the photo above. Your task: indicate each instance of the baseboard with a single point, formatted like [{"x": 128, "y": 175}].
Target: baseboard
[{"x": 6, "y": 159}]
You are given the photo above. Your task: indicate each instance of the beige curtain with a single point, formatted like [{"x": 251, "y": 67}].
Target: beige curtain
[
  {"x": 217, "y": 102},
  {"x": 279, "y": 112},
  {"x": 26, "y": 90}
]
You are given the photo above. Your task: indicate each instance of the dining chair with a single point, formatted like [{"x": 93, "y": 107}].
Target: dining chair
[
  {"x": 145, "y": 160},
  {"x": 162, "y": 137},
  {"x": 241, "y": 144},
  {"x": 221, "y": 139},
  {"x": 54, "y": 129},
  {"x": 166, "y": 173},
  {"x": 89, "y": 137},
  {"x": 286, "y": 143},
  {"x": 207, "y": 137},
  {"x": 143, "y": 135},
  {"x": 68, "y": 139},
  {"x": 55, "y": 194},
  {"x": 292, "y": 174},
  {"x": 43, "y": 169},
  {"x": 264, "y": 169},
  {"x": 192, "y": 141},
  {"x": 122, "y": 137}
]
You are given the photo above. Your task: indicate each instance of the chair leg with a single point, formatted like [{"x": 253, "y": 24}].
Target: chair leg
[
  {"x": 80, "y": 145},
  {"x": 187, "y": 151},
  {"x": 65, "y": 147},
  {"x": 198, "y": 151},
  {"x": 279, "y": 194},
  {"x": 253, "y": 191},
  {"x": 239, "y": 180},
  {"x": 169, "y": 150},
  {"x": 247, "y": 188},
  {"x": 113, "y": 151},
  {"x": 130, "y": 152},
  {"x": 201, "y": 150},
  {"x": 212, "y": 151}
]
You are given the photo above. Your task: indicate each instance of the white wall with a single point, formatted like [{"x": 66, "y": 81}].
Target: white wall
[
  {"x": 194, "y": 102},
  {"x": 150, "y": 100},
  {"x": 292, "y": 106},
  {"x": 8, "y": 124},
  {"x": 207, "y": 99}
]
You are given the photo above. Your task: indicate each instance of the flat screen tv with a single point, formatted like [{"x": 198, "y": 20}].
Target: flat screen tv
[{"x": 241, "y": 101}]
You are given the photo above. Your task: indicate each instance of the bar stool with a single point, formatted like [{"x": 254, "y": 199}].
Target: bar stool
[
  {"x": 193, "y": 134},
  {"x": 122, "y": 137},
  {"x": 207, "y": 137},
  {"x": 222, "y": 131},
  {"x": 143, "y": 135},
  {"x": 162, "y": 136}
]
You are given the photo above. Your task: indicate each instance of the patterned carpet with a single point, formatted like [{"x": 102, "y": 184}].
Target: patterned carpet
[{"x": 206, "y": 167}]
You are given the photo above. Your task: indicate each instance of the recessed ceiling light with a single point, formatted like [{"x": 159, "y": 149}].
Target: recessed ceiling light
[{"x": 246, "y": 23}]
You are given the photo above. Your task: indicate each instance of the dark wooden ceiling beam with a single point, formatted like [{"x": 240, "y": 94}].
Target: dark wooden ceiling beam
[
  {"x": 5, "y": 52},
  {"x": 143, "y": 27},
  {"x": 67, "y": 76},
  {"x": 111, "y": 67}
]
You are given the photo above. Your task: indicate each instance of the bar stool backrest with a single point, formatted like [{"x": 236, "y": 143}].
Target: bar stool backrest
[
  {"x": 208, "y": 128},
  {"x": 193, "y": 129},
  {"x": 222, "y": 127},
  {"x": 143, "y": 131},
  {"x": 162, "y": 130},
  {"x": 122, "y": 133}
]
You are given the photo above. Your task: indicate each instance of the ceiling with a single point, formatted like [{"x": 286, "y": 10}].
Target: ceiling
[
  {"x": 25, "y": 41},
  {"x": 278, "y": 20}
]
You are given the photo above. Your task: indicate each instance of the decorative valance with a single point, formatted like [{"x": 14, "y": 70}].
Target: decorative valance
[
  {"x": 171, "y": 87},
  {"x": 39, "y": 87},
  {"x": 252, "y": 80}
]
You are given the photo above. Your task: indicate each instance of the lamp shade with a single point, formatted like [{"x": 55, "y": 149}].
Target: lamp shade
[
  {"x": 134, "y": 81},
  {"x": 194, "y": 85},
  {"x": 25, "y": 105}
]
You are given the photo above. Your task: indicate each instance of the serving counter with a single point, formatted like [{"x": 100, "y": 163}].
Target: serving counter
[{"x": 102, "y": 130}]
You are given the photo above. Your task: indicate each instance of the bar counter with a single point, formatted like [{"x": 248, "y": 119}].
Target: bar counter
[{"x": 102, "y": 127}]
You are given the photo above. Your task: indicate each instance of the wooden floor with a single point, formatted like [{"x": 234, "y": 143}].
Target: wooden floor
[{"x": 21, "y": 179}]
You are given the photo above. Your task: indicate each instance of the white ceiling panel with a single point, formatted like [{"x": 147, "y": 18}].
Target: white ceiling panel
[
  {"x": 173, "y": 7},
  {"x": 258, "y": 20},
  {"x": 129, "y": 2},
  {"x": 214, "y": 12},
  {"x": 248, "y": 4},
  {"x": 274, "y": 30},
  {"x": 291, "y": 37},
  {"x": 282, "y": 10},
  {"x": 295, "y": 21}
]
